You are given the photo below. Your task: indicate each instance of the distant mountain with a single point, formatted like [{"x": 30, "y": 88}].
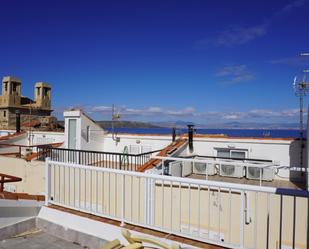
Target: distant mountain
[
  {"x": 126, "y": 124},
  {"x": 170, "y": 124},
  {"x": 183, "y": 124},
  {"x": 250, "y": 125},
  {"x": 122, "y": 124},
  {"x": 230, "y": 125}
]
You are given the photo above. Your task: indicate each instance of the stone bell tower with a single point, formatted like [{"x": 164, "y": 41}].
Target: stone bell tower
[
  {"x": 11, "y": 91},
  {"x": 42, "y": 95}
]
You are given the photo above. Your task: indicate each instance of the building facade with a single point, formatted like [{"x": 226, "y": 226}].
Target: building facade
[{"x": 33, "y": 113}]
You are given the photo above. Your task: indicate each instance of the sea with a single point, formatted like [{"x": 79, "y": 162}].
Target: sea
[{"x": 278, "y": 133}]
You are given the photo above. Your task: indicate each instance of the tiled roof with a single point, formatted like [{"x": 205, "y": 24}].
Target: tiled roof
[
  {"x": 32, "y": 123},
  {"x": 21, "y": 196},
  {"x": 154, "y": 162}
]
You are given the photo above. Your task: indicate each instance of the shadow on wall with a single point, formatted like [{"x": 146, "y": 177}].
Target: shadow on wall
[{"x": 296, "y": 176}]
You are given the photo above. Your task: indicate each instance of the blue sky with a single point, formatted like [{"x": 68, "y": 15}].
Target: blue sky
[{"x": 200, "y": 61}]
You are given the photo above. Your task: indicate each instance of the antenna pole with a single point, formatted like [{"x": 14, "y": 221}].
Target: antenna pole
[
  {"x": 301, "y": 126},
  {"x": 113, "y": 113},
  {"x": 115, "y": 117},
  {"x": 301, "y": 89}
]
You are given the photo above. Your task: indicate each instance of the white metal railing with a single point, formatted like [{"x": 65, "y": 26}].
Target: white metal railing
[{"x": 225, "y": 214}]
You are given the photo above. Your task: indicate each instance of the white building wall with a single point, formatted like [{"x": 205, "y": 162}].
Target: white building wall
[
  {"x": 95, "y": 139},
  {"x": 138, "y": 141},
  {"x": 46, "y": 137},
  {"x": 67, "y": 116},
  {"x": 284, "y": 152},
  {"x": 95, "y": 135},
  {"x": 35, "y": 137},
  {"x": 22, "y": 139}
]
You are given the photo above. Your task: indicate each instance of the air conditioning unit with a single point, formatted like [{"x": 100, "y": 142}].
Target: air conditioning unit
[
  {"x": 204, "y": 168},
  {"x": 268, "y": 174},
  {"x": 175, "y": 169},
  {"x": 186, "y": 169},
  {"x": 231, "y": 170}
]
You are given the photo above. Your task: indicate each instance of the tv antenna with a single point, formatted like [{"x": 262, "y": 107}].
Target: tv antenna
[
  {"x": 301, "y": 88},
  {"x": 115, "y": 118}
]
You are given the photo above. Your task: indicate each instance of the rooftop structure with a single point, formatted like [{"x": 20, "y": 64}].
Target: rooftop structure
[
  {"x": 12, "y": 102},
  {"x": 203, "y": 191}
]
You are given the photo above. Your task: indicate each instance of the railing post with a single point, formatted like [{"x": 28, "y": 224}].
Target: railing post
[
  {"x": 47, "y": 180},
  {"x": 123, "y": 197}
]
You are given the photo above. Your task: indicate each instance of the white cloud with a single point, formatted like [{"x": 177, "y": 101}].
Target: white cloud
[
  {"x": 103, "y": 109},
  {"x": 239, "y": 35},
  {"x": 289, "y": 7},
  {"x": 255, "y": 114},
  {"x": 231, "y": 116},
  {"x": 150, "y": 111},
  {"x": 190, "y": 113},
  {"x": 235, "y": 74},
  {"x": 292, "y": 61}
]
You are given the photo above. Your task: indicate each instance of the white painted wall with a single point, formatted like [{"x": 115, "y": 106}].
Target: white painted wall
[
  {"x": 154, "y": 142},
  {"x": 269, "y": 149},
  {"x": 46, "y": 137},
  {"x": 22, "y": 139},
  {"x": 281, "y": 151},
  {"x": 99, "y": 140},
  {"x": 36, "y": 137},
  {"x": 96, "y": 133}
]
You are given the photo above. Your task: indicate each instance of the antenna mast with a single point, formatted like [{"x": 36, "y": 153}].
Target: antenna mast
[
  {"x": 115, "y": 117},
  {"x": 301, "y": 88}
]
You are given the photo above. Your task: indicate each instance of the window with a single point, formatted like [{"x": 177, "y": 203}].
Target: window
[
  {"x": 223, "y": 153},
  {"x": 14, "y": 87},
  {"x": 238, "y": 154},
  {"x": 38, "y": 91},
  {"x": 231, "y": 153},
  {"x": 4, "y": 113},
  {"x": 5, "y": 86}
]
